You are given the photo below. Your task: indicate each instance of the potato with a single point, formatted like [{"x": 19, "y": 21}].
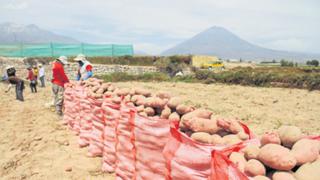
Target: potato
[
  {"x": 261, "y": 178},
  {"x": 243, "y": 136},
  {"x": 231, "y": 139},
  {"x": 132, "y": 92},
  {"x": 100, "y": 91},
  {"x": 174, "y": 117},
  {"x": 270, "y": 138},
  {"x": 105, "y": 86},
  {"x": 201, "y": 137},
  {"x": 165, "y": 113},
  {"x": 277, "y": 157},
  {"x": 163, "y": 95},
  {"x": 127, "y": 98},
  {"x": 283, "y": 175},
  {"x": 232, "y": 126},
  {"x": 305, "y": 150},
  {"x": 289, "y": 135},
  {"x": 308, "y": 171},
  {"x": 197, "y": 124},
  {"x": 130, "y": 104},
  {"x": 174, "y": 102},
  {"x": 97, "y": 96},
  {"x": 254, "y": 168},
  {"x": 144, "y": 114},
  {"x": 116, "y": 100},
  {"x": 144, "y": 92},
  {"x": 217, "y": 140},
  {"x": 140, "y": 108},
  {"x": 251, "y": 152},
  {"x": 108, "y": 94},
  {"x": 111, "y": 88},
  {"x": 140, "y": 100},
  {"x": 155, "y": 102},
  {"x": 183, "y": 109},
  {"x": 95, "y": 88},
  {"x": 239, "y": 160},
  {"x": 123, "y": 92},
  {"x": 149, "y": 111},
  {"x": 199, "y": 113}
]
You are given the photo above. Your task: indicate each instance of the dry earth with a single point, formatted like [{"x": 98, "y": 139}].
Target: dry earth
[{"x": 33, "y": 144}]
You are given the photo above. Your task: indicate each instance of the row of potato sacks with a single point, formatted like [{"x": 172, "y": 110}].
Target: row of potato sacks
[{"x": 142, "y": 135}]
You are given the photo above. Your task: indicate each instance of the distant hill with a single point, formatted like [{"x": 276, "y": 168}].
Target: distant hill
[
  {"x": 16, "y": 33},
  {"x": 220, "y": 42}
]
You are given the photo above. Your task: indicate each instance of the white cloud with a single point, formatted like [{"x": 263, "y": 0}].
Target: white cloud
[
  {"x": 16, "y": 6},
  {"x": 156, "y": 25}
]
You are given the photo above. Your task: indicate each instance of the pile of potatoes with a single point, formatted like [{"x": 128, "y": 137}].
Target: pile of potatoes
[
  {"x": 207, "y": 129},
  {"x": 97, "y": 88},
  {"x": 285, "y": 154},
  {"x": 199, "y": 124}
]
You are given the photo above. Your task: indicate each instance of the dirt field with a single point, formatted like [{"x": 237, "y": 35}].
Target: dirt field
[{"x": 33, "y": 144}]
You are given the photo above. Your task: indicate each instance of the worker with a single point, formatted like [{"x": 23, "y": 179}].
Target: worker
[
  {"x": 42, "y": 75},
  {"x": 85, "y": 68},
  {"x": 32, "y": 78},
  {"x": 36, "y": 72},
  {"x": 59, "y": 78},
  {"x": 14, "y": 80}
]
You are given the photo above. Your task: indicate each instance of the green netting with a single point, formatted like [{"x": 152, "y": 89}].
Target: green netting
[{"x": 55, "y": 49}]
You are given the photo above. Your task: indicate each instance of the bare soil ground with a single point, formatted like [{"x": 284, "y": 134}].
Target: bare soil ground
[{"x": 33, "y": 144}]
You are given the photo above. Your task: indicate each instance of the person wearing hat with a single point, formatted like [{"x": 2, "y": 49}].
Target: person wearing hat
[
  {"x": 36, "y": 72},
  {"x": 59, "y": 78},
  {"x": 33, "y": 80},
  {"x": 14, "y": 80},
  {"x": 42, "y": 75},
  {"x": 85, "y": 67}
]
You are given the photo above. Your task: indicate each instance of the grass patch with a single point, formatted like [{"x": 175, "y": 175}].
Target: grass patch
[{"x": 260, "y": 77}]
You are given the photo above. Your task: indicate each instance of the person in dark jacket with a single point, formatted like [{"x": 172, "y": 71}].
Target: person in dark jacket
[
  {"x": 33, "y": 80},
  {"x": 14, "y": 80}
]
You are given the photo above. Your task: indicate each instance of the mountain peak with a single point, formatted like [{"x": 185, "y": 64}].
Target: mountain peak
[
  {"x": 218, "y": 41},
  {"x": 16, "y": 33}
]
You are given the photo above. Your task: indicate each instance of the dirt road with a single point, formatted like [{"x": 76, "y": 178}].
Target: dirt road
[{"x": 34, "y": 145}]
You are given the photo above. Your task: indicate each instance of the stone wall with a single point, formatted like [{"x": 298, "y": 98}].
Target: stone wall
[{"x": 71, "y": 69}]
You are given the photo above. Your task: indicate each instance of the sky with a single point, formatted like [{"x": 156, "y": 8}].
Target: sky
[{"x": 153, "y": 26}]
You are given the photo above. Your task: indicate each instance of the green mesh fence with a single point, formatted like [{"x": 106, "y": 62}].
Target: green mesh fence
[{"x": 55, "y": 49}]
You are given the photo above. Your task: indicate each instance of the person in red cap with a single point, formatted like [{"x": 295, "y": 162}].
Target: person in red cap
[{"x": 59, "y": 78}]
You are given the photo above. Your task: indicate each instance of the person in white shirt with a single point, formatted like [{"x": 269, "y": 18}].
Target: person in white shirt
[{"x": 42, "y": 75}]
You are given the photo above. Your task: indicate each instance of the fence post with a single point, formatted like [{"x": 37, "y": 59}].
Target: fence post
[
  {"x": 112, "y": 50},
  {"x": 132, "y": 50},
  {"x": 21, "y": 49},
  {"x": 82, "y": 50},
  {"x": 52, "y": 51}
]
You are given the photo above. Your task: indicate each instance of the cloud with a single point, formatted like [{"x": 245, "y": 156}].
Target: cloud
[
  {"x": 157, "y": 25},
  {"x": 16, "y": 6}
]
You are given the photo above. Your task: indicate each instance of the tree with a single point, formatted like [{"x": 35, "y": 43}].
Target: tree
[
  {"x": 313, "y": 63},
  {"x": 285, "y": 63}
]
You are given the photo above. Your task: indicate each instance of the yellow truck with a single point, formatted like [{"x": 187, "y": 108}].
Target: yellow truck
[{"x": 207, "y": 62}]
